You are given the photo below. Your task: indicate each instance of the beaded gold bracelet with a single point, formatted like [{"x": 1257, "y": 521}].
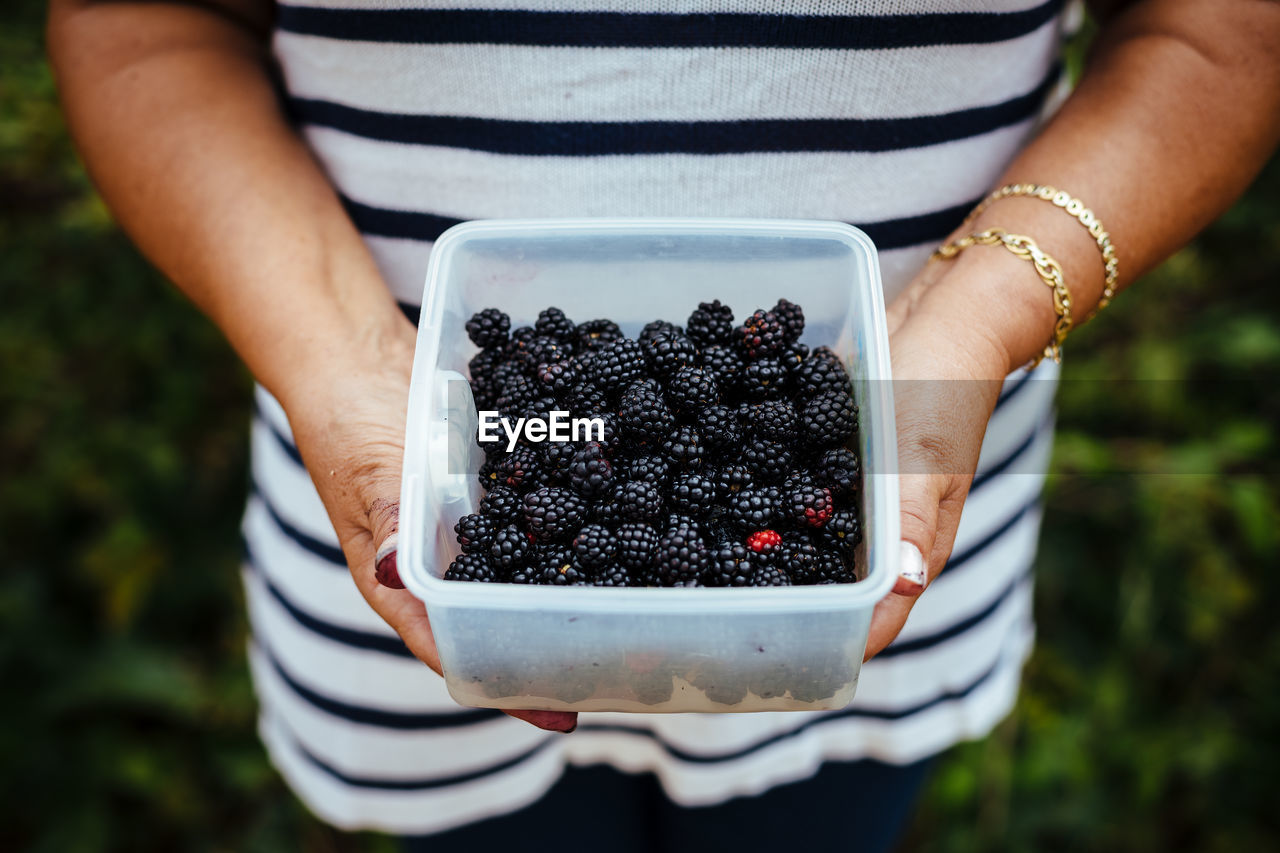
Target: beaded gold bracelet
[
  {"x": 1049, "y": 270},
  {"x": 1076, "y": 208}
]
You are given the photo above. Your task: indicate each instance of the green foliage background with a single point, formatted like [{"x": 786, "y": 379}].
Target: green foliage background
[{"x": 1149, "y": 720}]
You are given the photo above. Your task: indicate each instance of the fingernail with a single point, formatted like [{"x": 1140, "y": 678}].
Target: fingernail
[
  {"x": 912, "y": 576},
  {"x": 385, "y": 568}
]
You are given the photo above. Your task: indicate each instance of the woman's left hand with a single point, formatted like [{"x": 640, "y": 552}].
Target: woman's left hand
[{"x": 948, "y": 366}]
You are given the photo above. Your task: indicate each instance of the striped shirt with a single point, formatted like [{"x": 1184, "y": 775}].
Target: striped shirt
[{"x": 894, "y": 116}]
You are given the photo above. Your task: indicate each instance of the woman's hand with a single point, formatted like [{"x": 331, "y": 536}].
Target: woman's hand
[
  {"x": 348, "y": 419},
  {"x": 947, "y": 372}
]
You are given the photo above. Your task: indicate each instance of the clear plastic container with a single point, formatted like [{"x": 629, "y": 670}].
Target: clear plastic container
[{"x": 649, "y": 650}]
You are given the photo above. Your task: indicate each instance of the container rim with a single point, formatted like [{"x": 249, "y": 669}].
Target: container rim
[{"x": 882, "y": 444}]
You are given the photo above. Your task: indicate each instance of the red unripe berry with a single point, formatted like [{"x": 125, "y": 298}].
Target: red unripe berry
[{"x": 764, "y": 541}]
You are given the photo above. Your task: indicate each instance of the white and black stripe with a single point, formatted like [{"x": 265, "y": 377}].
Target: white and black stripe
[{"x": 893, "y": 115}]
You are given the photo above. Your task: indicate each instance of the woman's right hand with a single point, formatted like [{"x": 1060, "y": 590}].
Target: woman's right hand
[{"x": 348, "y": 419}]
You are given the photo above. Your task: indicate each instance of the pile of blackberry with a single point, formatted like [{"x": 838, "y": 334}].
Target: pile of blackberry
[{"x": 724, "y": 459}]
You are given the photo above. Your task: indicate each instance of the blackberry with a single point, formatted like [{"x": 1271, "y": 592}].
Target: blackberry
[
  {"x": 518, "y": 468},
  {"x": 488, "y": 328},
  {"x": 820, "y": 373},
  {"x": 617, "y": 364},
  {"x": 552, "y": 323},
  {"x": 505, "y": 370},
  {"x": 770, "y": 575},
  {"x": 557, "y": 462},
  {"x": 470, "y": 567},
  {"x": 667, "y": 352},
  {"x": 474, "y": 533},
  {"x": 762, "y": 334},
  {"x": 637, "y": 543},
  {"x": 637, "y": 501},
  {"x": 771, "y": 420},
  {"x": 724, "y": 364},
  {"x": 501, "y": 505},
  {"x": 649, "y": 469},
  {"x": 838, "y": 470},
  {"x": 518, "y": 393},
  {"x": 810, "y": 506},
  {"x": 611, "y": 433},
  {"x": 799, "y": 479},
  {"x": 558, "y": 376},
  {"x": 719, "y": 428},
  {"x": 830, "y": 419},
  {"x": 657, "y": 327},
  {"x": 798, "y": 557},
  {"x": 792, "y": 356},
  {"x": 484, "y": 386},
  {"x": 681, "y": 557},
  {"x": 691, "y": 390},
  {"x": 710, "y": 323},
  {"x": 753, "y": 508},
  {"x": 791, "y": 316},
  {"x": 585, "y": 397},
  {"x": 590, "y": 472},
  {"x": 643, "y": 413},
  {"x": 684, "y": 448},
  {"x": 510, "y": 549},
  {"x": 768, "y": 461},
  {"x": 842, "y": 532},
  {"x": 762, "y": 379},
  {"x": 518, "y": 344},
  {"x": 596, "y": 333},
  {"x": 556, "y": 567},
  {"x": 731, "y": 479},
  {"x": 545, "y": 350},
  {"x": 731, "y": 564},
  {"x": 614, "y": 576},
  {"x": 834, "y": 569},
  {"x": 595, "y": 546},
  {"x": 692, "y": 494},
  {"x": 552, "y": 513},
  {"x": 766, "y": 543}
]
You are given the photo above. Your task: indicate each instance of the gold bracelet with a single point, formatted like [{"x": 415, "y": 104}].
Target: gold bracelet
[
  {"x": 1049, "y": 270},
  {"x": 1075, "y": 207}
]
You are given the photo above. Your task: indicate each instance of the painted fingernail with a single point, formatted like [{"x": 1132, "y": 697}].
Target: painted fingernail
[
  {"x": 911, "y": 571},
  {"x": 385, "y": 569}
]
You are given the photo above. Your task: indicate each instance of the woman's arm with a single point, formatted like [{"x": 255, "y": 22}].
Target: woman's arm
[
  {"x": 1178, "y": 109},
  {"x": 173, "y": 109}
]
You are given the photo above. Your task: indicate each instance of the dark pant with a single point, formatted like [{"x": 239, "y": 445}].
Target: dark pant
[{"x": 859, "y": 805}]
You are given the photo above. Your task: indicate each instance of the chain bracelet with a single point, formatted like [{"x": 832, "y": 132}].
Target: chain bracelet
[
  {"x": 1075, "y": 207},
  {"x": 1049, "y": 270}
]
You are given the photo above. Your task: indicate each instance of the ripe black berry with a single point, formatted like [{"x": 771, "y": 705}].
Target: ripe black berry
[
  {"x": 637, "y": 543},
  {"x": 614, "y": 576},
  {"x": 554, "y": 324},
  {"x": 692, "y": 494},
  {"x": 643, "y": 413},
  {"x": 681, "y": 557},
  {"x": 731, "y": 479},
  {"x": 596, "y": 333},
  {"x": 838, "y": 469},
  {"x": 771, "y": 420},
  {"x": 470, "y": 567},
  {"x": 842, "y": 532},
  {"x": 555, "y": 566},
  {"x": 820, "y": 373},
  {"x": 474, "y": 533},
  {"x": 650, "y": 469},
  {"x": 762, "y": 379},
  {"x": 691, "y": 390},
  {"x": 762, "y": 334},
  {"x": 753, "y": 508},
  {"x": 518, "y": 468},
  {"x": 502, "y": 505},
  {"x": 731, "y": 564},
  {"x": 558, "y": 377},
  {"x": 719, "y": 428},
  {"x": 667, "y": 352},
  {"x": 617, "y": 364},
  {"x": 552, "y": 513},
  {"x": 656, "y": 328},
  {"x": 770, "y": 575},
  {"x": 791, "y": 316},
  {"x": 768, "y": 460},
  {"x": 723, "y": 363},
  {"x": 830, "y": 419},
  {"x": 488, "y": 328},
  {"x": 510, "y": 548},
  {"x": 684, "y": 448},
  {"x": 637, "y": 501},
  {"x": 710, "y": 323},
  {"x": 590, "y": 472},
  {"x": 595, "y": 546}
]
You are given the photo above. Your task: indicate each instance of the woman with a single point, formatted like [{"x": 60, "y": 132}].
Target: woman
[{"x": 298, "y": 219}]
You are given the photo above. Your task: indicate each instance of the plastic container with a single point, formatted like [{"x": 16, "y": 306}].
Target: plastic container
[{"x": 650, "y": 650}]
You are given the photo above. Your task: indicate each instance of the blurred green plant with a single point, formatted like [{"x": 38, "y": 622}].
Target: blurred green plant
[{"x": 1148, "y": 719}]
